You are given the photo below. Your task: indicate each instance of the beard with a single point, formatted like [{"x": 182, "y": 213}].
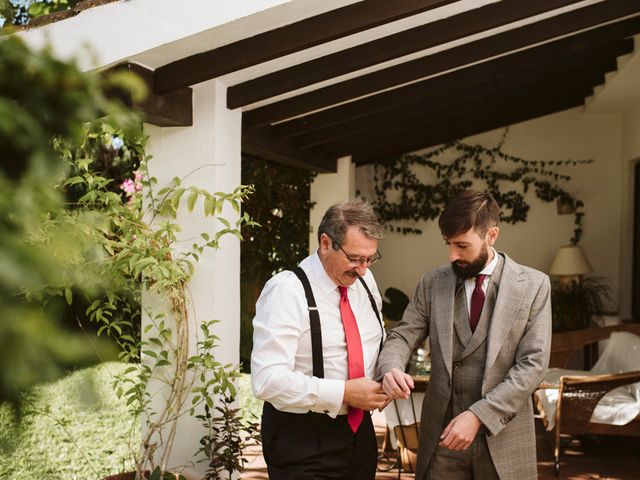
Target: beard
[{"x": 465, "y": 270}]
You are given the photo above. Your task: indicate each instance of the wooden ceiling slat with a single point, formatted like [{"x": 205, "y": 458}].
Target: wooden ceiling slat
[
  {"x": 454, "y": 58},
  {"x": 438, "y": 138},
  {"x": 577, "y": 82},
  {"x": 452, "y": 98},
  {"x": 387, "y": 48},
  {"x": 522, "y": 114},
  {"x": 566, "y": 51},
  {"x": 286, "y": 40},
  {"x": 261, "y": 143}
]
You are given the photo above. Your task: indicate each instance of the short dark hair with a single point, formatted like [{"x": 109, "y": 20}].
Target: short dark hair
[
  {"x": 343, "y": 215},
  {"x": 469, "y": 209}
]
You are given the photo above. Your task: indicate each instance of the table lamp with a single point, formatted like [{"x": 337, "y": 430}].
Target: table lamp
[{"x": 570, "y": 263}]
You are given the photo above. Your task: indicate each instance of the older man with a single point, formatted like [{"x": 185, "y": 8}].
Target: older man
[{"x": 317, "y": 335}]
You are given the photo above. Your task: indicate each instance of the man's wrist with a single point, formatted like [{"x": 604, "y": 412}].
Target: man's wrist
[{"x": 475, "y": 417}]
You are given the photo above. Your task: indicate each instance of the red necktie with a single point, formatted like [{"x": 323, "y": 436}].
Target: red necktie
[
  {"x": 354, "y": 353},
  {"x": 477, "y": 300}
]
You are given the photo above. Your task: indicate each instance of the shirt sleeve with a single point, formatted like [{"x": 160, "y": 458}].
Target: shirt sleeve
[{"x": 281, "y": 317}]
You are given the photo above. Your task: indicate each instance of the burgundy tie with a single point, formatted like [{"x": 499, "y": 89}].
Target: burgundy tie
[
  {"x": 355, "y": 358},
  {"x": 477, "y": 300}
]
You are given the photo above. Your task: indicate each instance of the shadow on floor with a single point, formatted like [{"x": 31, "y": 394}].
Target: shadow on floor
[{"x": 612, "y": 458}]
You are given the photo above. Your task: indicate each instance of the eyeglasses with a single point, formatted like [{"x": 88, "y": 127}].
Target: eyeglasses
[{"x": 360, "y": 261}]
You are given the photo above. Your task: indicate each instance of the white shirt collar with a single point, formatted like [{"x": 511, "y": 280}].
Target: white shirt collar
[
  {"x": 488, "y": 270},
  {"x": 323, "y": 280}
]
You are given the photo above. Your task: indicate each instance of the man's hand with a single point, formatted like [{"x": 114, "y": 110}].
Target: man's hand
[
  {"x": 397, "y": 384},
  {"x": 461, "y": 431},
  {"x": 364, "y": 393}
]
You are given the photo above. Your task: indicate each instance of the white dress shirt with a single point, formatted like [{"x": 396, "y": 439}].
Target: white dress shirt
[
  {"x": 470, "y": 283},
  {"x": 281, "y": 361}
]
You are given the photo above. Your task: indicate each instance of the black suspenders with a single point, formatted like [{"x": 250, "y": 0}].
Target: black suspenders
[{"x": 314, "y": 320}]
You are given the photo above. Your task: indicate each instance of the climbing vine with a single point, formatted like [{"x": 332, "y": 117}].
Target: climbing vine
[{"x": 402, "y": 194}]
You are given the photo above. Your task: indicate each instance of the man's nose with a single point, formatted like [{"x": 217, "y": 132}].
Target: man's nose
[
  {"x": 453, "y": 254},
  {"x": 361, "y": 269}
]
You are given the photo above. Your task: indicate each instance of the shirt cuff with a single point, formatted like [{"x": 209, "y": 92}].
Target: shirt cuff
[{"x": 330, "y": 395}]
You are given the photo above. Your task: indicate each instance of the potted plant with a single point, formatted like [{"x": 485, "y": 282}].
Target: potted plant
[{"x": 575, "y": 302}]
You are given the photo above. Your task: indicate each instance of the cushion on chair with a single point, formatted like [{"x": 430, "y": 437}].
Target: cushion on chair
[
  {"x": 619, "y": 406},
  {"x": 622, "y": 354}
]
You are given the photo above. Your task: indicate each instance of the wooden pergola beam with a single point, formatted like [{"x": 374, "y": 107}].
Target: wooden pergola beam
[
  {"x": 445, "y": 119},
  {"x": 387, "y": 48},
  {"x": 519, "y": 113},
  {"x": 564, "y": 52},
  {"x": 457, "y": 57},
  {"x": 262, "y": 144},
  {"x": 172, "y": 109},
  {"x": 286, "y": 40},
  {"x": 452, "y": 98}
]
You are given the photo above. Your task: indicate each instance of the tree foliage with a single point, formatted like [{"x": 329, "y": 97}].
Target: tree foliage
[
  {"x": 40, "y": 98},
  {"x": 19, "y": 12},
  {"x": 281, "y": 206}
]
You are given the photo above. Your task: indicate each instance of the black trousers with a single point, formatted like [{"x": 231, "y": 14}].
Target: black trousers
[{"x": 316, "y": 446}]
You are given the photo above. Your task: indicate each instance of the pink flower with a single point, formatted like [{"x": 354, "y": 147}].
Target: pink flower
[
  {"x": 131, "y": 187},
  {"x": 128, "y": 186}
]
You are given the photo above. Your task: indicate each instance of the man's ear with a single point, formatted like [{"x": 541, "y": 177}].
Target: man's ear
[
  {"x": 325, "y": 242},
  {"x": 492, "y": 235}
]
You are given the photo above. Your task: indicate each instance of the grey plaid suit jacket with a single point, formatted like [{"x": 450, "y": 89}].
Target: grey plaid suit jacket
[{"x": 517, "y": 357}]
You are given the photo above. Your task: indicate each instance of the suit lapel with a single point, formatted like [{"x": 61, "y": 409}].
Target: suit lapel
[
  {"x": 461, "y": 315},
  {"x": 510, "y": 294},
  {"x": 443, "y": 301}
]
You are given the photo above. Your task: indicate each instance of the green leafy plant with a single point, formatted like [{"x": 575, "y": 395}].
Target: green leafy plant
[
  {"x": 227, "y": 434},
  {"x": 41, "y": 97},
  {"x": 73, "y": 224},
  {"x": 575, "y": 303},
  {"x": 281, "y": 206},
  {"x": 134, "y": 248},
  {"x": 402, "y": 195}
]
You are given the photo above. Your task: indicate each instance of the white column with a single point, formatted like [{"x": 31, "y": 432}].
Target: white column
[
  {"x": 630, "y": 156},
  {"x": 206, "y": 155},
  {"x": 328, "y": 189}
]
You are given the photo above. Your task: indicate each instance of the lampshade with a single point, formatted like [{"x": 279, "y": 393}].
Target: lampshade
[{"x": 570, "y": 260}]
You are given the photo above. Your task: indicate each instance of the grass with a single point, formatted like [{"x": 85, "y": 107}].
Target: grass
[
  {"x": 77, "y": 428},
  {"x": 72, "y": 429},
  {"x": 250, "y": 406}
]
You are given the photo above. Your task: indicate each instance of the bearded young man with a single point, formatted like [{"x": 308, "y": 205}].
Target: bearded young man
[{"x": 488, "y": 320}]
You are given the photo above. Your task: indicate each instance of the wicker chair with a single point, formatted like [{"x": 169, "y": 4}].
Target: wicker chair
[{"x": 579, "y": 394}]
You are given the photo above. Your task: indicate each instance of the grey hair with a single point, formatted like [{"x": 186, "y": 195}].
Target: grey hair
[{"x": 341, "y": 216}]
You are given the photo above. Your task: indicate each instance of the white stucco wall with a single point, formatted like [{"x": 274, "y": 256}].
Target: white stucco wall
[
  {"x": 328, "y": 189},
  {"x": 566, "y": 135},
  {"x": 206, "y": 155}
]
